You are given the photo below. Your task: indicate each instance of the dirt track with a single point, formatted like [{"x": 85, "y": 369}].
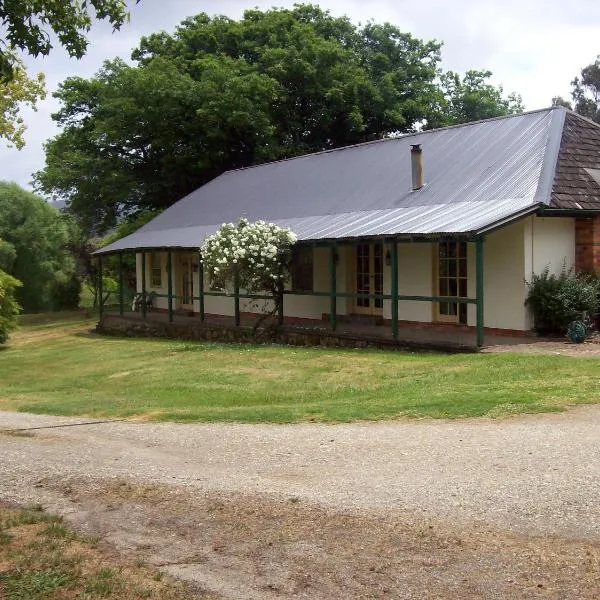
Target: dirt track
[{"x": 424, "y": 509}]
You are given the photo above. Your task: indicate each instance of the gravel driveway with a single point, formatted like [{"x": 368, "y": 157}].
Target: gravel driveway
[{"x": 529, "y": 478}]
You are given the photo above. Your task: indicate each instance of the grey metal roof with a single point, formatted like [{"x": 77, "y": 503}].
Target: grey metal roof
[{"x": 476, "y": 175}]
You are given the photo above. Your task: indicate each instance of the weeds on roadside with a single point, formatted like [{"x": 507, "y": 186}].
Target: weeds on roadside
[{"x": 41, "y": 558}]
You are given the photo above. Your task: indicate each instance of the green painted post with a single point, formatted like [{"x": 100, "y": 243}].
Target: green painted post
[
  {"x": 100, "y": 289},
  {"x": 170, "y": 285},
  {"x": 236, "y": 298},
  {"x": 394, "y": 290},
  {"x": 479, "y": 288},
  {"x": 121, "y": 291},
  {"x": 144, "y": 308},
  {"x": 200, "y": 287},
  {"x": 333, "y": 287}
]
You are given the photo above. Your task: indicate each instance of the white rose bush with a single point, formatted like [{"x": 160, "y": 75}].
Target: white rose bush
[{"x": 254, "y": 256}]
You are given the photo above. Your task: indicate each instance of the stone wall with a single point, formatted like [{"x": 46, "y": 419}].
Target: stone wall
[{"x": 292, "y": 336}]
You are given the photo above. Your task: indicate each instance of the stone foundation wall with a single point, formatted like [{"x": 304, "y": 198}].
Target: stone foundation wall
[{"x": 123, "y": 326}]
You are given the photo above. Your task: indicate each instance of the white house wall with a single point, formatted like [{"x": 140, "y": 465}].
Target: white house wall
[
  {"x": 158, "y": 302},
  {"x": 504, "y": 279},
  {"x": 511, "y": 254},
  {"x": 549, "y": 242}
]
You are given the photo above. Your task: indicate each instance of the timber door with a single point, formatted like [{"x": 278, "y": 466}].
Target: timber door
[
  {"x": 452, "y": 281},
  {"x": 186, "y": 283},
  {"x": 369, "y": 278}
]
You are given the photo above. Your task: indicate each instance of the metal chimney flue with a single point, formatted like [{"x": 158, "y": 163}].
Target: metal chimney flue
[{"x": 416, "y": 159}]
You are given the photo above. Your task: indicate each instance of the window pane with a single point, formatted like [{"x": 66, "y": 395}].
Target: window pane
[
  {"x": 462, "y": 288},
  {"x": 452, "y": 287},
  {"x": 452, "y": 268},
  {"x": 302, "y": 269},
  {"x": 452, "y": 249},
  {"x": 462, "y": 268},
  {"x": 462, "y": 249},
  {"x": 443, "y": 287},
  {"x": 443, "y": 268}
]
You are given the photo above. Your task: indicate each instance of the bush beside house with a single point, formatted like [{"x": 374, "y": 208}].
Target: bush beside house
[{"x": 556, "y": 300}]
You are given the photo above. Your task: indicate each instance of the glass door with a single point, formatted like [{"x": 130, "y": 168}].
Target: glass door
[
  {"x": 452, "y": 281},
  {"x": 186, "y": 282},
  {"x": 369, "y": 278}
]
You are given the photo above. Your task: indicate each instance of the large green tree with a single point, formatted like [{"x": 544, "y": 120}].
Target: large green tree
[
  {"x": 221, "y": 94},
  {"x": 35, "y": 250},
  {"x": 21, "y": 90},
  {"x": 27, "y": 25}
]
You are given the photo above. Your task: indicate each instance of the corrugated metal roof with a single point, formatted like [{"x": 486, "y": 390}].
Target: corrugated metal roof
[{"x": 476, "y": 174}]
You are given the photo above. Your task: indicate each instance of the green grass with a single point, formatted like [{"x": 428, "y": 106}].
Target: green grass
[
  {"x": 59, "y": 367},
  {"x": 41, "y": 558}
]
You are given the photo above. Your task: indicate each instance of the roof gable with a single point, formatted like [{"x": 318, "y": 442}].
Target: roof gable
[{"x": 575, "y": 186}]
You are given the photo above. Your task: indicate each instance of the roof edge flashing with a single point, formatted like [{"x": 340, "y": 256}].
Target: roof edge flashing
[{"x": 543, "y": 193}]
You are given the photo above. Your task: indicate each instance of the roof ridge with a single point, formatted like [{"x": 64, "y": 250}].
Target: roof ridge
[
  {"x": 397, "y": 137},
  {"x": 582, "y": 117}
]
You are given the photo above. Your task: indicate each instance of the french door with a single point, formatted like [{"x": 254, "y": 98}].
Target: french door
[
  {"x": 186, "y": 283},
  {"x": 452, "y": 281},
  {"x": 369, "y": 278}
]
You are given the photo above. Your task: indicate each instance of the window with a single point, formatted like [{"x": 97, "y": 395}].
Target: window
[
  {"x": 155, "y": 271},
  {"x": 302, "y": 269}
]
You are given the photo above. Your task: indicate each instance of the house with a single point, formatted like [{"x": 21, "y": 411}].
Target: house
[{"x": 437, "y": 228}]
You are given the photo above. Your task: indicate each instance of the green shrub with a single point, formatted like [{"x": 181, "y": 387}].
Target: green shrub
[
  {"x": 66, "y": 293},
  {"x": 556, "y": 300},
  {"x": 9, "y": 307}
]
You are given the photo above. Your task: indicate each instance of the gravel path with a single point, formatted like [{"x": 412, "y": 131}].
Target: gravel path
[{"x": 537, "y": 474}]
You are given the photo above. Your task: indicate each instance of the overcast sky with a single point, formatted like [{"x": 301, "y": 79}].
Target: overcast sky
[{"x": 533, "y": 47}]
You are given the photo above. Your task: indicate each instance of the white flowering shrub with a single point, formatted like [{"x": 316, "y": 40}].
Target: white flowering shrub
[{"x": 258, "y": 254}]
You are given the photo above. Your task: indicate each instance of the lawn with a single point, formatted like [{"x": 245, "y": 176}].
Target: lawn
[
  {"x": 57, "y": 366},
  {"x": 40, "y": 557}
]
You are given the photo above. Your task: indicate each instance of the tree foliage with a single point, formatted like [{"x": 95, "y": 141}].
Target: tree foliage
[
  {"x": 472, "y": 98},
  {"x": 14, "y": 93},
  {"x": 27, "y": 25},
  {"x": 35, "y": 250},
  {"x": 586, "y": 91},
  {"x": 9, "y": 307},
  {"x": 220, "y": 94}
]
